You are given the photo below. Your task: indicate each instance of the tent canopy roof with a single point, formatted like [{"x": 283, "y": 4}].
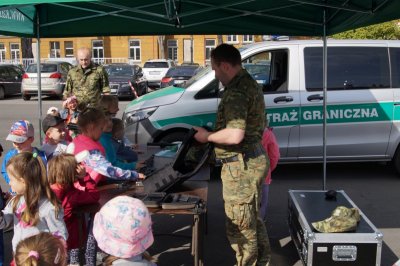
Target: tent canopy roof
[{"x": 72, "y": 18}]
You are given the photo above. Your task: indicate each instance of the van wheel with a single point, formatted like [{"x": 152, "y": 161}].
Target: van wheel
[
  {"x": 396, "y": 161},
  {"x": 173, "y": 136},
  {"x": 26, "y": 97},
  {"x": 2, "y": 92}
]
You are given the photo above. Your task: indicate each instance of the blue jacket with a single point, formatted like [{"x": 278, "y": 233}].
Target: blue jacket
[
  {"x": 111, "y": 154},
  {"x": 11, "y": 153},
  {"x": 124, "y": 153}
]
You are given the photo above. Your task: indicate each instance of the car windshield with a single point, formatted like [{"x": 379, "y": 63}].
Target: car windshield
[
  {"x": 119, "y": 70},
  {"x": 197, "y": 77},
  {"x": 256, "y": 69},
  {"x": 155, "y": 65},
  {"x": 44, "y": 68},
  {"x": 181, "y": 71}
]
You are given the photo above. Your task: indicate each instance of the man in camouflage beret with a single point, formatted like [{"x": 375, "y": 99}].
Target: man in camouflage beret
[
  {"x": 237, "y": 140},
  {"x": 87, "y": 81}
]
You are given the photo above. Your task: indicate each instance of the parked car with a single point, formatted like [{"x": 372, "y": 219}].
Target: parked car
[
  {"x": 10, "y": 80},
  {"x": 154, "y": 70},
  {"x": 179, "y": 75},
  {"x": 259, "y": 71},
  {"x": 53, "y": 77},
  {"x": 119, "y": 76}
]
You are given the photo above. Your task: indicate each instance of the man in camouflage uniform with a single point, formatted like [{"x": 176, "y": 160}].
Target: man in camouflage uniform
[
  {"x": 86, "y": 81},
  {"x": 237, "y": 139}
]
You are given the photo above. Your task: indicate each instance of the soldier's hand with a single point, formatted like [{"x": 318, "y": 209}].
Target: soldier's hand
[{"x": 201, "y": 135}]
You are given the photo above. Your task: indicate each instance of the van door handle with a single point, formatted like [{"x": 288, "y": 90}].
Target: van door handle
[
  {"x": 283, "y": 99},
  {"x": 315, "y": 97}
]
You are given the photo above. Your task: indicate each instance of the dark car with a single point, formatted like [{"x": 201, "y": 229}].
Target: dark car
[
  {"x": 259, "y": 71},
  {"x": 179, "y": 75},
  {"x": 10, "y": 80},
  {"x": 122, "y": 77}
]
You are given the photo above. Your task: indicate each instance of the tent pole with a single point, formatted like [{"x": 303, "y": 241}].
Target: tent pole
[
  {"x": 325, "y": 82},
  {"x": 39, "y": 76}
]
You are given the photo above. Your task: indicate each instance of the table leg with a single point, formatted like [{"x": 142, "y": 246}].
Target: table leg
[{"x": 197, "y": 239}]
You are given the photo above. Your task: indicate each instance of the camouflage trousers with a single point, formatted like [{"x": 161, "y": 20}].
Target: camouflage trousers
[{"x": 246, "y": 232}]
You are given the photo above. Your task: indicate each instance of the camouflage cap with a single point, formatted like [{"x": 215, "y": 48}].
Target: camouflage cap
[{"x": 343, "y": 219}]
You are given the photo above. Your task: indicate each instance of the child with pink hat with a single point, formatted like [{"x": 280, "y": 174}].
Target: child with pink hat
[{"x": 122, "y": 229}]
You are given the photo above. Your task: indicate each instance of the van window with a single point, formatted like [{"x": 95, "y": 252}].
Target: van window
[
  {"x": 209, "y": 91},
  {"x": 269, "y": 69},
  {"x": 349, "y": 68},
  {"x": 395, "y": 63}
]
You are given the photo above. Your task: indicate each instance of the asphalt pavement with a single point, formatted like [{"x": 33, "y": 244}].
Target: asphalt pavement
[{"x": 373, "y": 187}]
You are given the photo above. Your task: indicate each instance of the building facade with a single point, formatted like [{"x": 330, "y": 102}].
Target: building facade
[{"x": 126, "y": 49}]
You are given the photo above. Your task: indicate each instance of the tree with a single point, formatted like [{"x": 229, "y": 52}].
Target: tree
[
  {"x": 26, "y": 48},
  {"x": 161, "y": 46},
  {"x": 220, "y": 39},
  {"x": 384, "y": 31}
]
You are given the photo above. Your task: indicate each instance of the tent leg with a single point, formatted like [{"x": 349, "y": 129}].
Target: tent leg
[
  {"x": 324, "y": 77},
  {"x": 39, "y": 77}
]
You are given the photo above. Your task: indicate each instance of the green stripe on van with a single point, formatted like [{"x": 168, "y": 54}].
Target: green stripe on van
[
  {"x": 156, "y": 94},
  {"x": 346, "y": 113},
  {"x": 195, "y": 120}
]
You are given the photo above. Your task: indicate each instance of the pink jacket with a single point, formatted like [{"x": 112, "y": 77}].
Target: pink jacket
[
  {"x": 271, "y": 147},
  {"x": 82, "y": 143}
]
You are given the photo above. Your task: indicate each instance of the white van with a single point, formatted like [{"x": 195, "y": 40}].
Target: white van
[{"x": 363, "y": 100}]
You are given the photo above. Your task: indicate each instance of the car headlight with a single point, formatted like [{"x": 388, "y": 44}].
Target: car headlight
[{"x": 138, "y": 115}]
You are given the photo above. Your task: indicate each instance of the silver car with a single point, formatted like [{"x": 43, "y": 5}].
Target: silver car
[{"x": 53, "y": 77}]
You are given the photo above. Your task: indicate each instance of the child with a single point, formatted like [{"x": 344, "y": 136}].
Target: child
[
  {"x": 110, "y": 105},
  {"x": 53, "y": 111},
  {"x": 42, "y": 249},
  {"x": 54, "y": 129},
  {"x": 122, "y": 229},
  {"x": 70, "y": 112},
  {"x": 111, "y": 153},
  {"x": 271, "y": 147},
  {"x": 35, "y": 208},
  {"x": 62, "y": 174},
  {"x": 22, "y": 136},
  {"x": 124, "y": 152},
  {"x": 91, "y": 123}
]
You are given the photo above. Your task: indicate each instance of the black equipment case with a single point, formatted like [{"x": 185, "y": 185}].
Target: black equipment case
[{"x": 361, "y": 247}]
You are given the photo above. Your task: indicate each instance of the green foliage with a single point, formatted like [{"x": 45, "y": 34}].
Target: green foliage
[{"x": 384, "y": 31}]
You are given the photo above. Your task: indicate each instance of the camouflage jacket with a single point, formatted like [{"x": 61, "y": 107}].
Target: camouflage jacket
[
  {"x": 242, "y": 106},
  {"x": 87, "y": 85}
]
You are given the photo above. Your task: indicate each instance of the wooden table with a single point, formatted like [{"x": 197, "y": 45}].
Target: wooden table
[{"x": 195, "y": 187}]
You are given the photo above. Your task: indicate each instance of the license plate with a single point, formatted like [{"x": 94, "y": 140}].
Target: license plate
[
  {"x": 113, "y": 90},
  {"x": 154, "y": 72},
  {"x": 179, "y": 81}
]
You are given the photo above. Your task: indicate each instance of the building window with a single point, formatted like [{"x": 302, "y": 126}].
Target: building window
[
  {"x": 69, "y": 48},
  {"x": 134, "y": 50},
  {"x": 2, "y": 52},
  {"x": 98, "y": 51},
  {"x": 248, "y": 38},
  {"x": 14, "y": 50},
  {"x": 54, "y": 49},
  {"x": 172, "y": 49},
  {"x": 232, "y": 39},
  {"x": 209, "y": 44}
]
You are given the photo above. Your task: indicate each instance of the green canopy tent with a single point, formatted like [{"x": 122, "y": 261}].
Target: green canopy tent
[
  {"x": 63, "y": 18},
  {"x": 75, "y": 18}
]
